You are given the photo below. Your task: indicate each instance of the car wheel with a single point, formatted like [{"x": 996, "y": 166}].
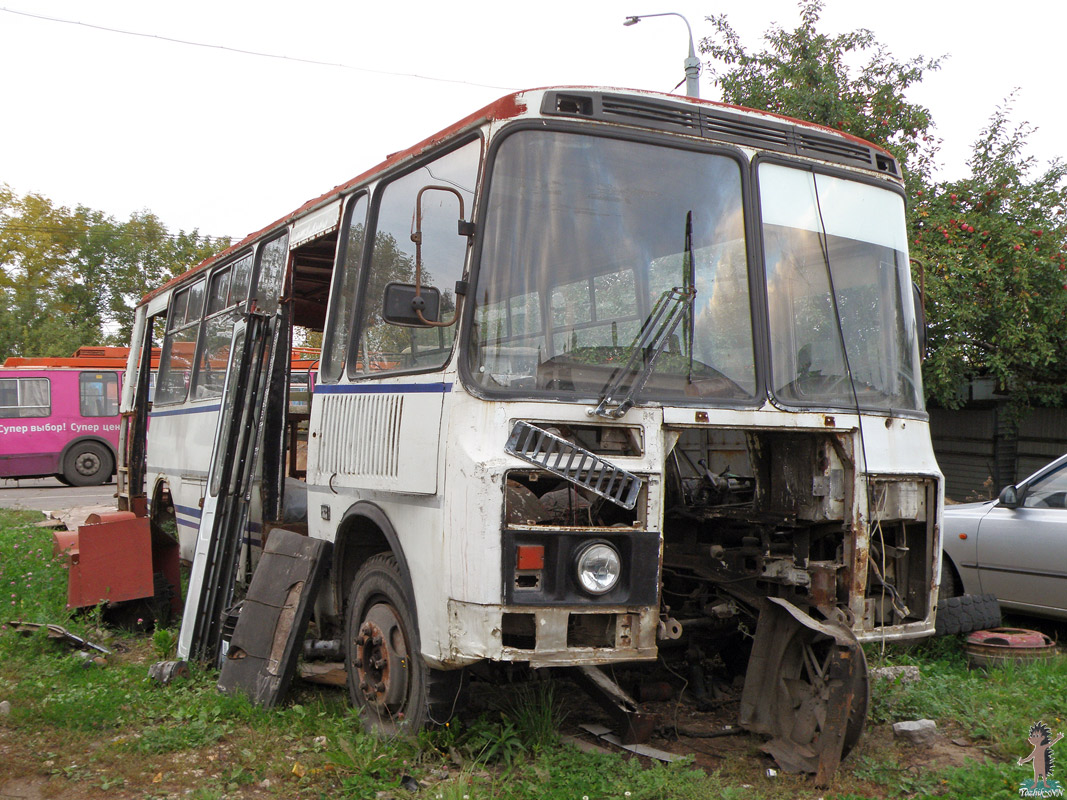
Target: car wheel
[
  {"x": 950, "y": 582},
  {"x": 87, "y": 464},
  {"x": 388, "y": 680}
]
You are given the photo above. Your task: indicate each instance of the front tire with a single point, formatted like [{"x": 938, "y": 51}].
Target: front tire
[
  {"x": 388, "y": 680},
  {"x": 87, "y": 464}
]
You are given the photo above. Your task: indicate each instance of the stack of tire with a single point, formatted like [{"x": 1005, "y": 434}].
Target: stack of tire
[{"x": 965, "y": 613}]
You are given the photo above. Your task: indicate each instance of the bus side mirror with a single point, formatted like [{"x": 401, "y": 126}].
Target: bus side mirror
[
  {"x": 410, "y": 306},
  {"x": 1009, "y": 497},
  {"x": 464, "y": 228}
]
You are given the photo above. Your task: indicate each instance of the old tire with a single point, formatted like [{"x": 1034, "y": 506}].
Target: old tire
[
  {"x": 388, "y": 680},
  {"x": 87, "y": 464},
  {"x": 966, "y": 613}
]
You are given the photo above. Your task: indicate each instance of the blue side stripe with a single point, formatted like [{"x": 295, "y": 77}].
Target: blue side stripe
[
  {"x": 177, "y": 411},
  {"x": 194, "y": 515}
]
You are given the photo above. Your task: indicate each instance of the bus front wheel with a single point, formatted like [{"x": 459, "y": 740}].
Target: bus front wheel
[
  {"x": 87, "y": 464},
  {"x": 388, "y": 680}
]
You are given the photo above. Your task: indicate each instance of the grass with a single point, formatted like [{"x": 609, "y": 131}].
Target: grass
[
  {"x": 108, "y": 731},
  {"x": 993, "y": 707}
]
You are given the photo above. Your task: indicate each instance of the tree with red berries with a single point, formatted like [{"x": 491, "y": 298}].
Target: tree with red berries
[
  {"x": 988, "y": 250},
  {"x": 991, "y": 251}
]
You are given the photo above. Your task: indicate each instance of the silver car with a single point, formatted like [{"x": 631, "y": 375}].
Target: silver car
[{"x": 1014, "y": 547}]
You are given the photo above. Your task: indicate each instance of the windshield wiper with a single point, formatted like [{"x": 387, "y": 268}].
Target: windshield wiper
[{"x": 670, "y": 309}]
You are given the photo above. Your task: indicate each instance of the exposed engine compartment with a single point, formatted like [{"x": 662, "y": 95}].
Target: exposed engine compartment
[{"x": 757, "y": 514}]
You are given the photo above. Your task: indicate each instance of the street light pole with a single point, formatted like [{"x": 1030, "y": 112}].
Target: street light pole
[{"x": 692, "y": 63}]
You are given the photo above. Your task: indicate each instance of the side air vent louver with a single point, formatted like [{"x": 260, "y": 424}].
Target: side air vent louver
[{"x": 763, "y": 133}]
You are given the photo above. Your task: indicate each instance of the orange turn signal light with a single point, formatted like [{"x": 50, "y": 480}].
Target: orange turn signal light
[
  {"x": 530, "y": 556},
  {"x": 963, "y": 535}
]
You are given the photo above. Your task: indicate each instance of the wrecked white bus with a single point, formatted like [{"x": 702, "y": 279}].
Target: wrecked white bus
[{"x": 601, "y": 370}]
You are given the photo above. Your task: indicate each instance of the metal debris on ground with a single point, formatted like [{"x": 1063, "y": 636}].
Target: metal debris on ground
[
  {"x": 603, "y": 733},
  {"x": 166, "y": 671},
  {"x": 998, "y": 646},
  {"x": 56, "y": 632},
  {"x": 623, "y": 709}
]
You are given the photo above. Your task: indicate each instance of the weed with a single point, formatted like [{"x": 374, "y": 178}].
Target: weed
[
  {"x": 165, "y": 641},
  {"x": 489, "y": 741},
  {"x": 537, "y": 715}
]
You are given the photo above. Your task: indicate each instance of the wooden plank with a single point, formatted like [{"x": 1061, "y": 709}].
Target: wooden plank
[{"x": 331, "y": 673}]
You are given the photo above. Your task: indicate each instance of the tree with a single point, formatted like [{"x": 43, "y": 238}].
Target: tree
[
  {"x": 73, "y": 277},
  {"x": 988, "y": 249},
  {"x": 807, "y": 74},
  {"x": 991, "y": 247},
  {"x": 49, "y": 304}
]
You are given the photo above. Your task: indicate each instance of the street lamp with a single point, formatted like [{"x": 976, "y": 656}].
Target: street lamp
[{"x": 692, "y": 63}]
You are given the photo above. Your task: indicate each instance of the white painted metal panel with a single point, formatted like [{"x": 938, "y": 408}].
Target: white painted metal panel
[
  {"x": 381, "y": 436},
  {"x": 315, "y": 224}
]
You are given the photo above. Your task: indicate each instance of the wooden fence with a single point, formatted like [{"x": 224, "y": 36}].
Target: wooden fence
[{"x": 980, "y": 451}]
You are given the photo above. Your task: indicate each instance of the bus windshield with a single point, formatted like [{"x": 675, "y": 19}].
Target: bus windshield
[
  {"x": 835, "y": 250},
  {"x": 583, "y": 235}
]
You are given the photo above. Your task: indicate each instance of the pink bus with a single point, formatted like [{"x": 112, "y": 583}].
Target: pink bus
[{"x": 60, "y": 416}]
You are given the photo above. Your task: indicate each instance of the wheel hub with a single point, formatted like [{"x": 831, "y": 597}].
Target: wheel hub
[
  {"x": 381, "y": 662},
  {"x": 87, "y": 464}
]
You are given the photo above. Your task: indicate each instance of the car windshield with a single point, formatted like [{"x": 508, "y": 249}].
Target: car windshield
[{"x": 583, "y": 235}]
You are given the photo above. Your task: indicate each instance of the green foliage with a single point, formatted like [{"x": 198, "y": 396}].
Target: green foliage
[
  {"x": 992, "y": 250},
  {"x": 72, "y": 277},
  {"x": 368, "y": 764},
  {"x": 810, "y": 75},
  {"x": 491, "y": 741},
  {"x": 165, "y": 641},
  {"x": 988, "y": 249},
  {"x": 537, "y": 715},
  {"x": 33, "y": 582},
  {"x": 995, "y": 706}
]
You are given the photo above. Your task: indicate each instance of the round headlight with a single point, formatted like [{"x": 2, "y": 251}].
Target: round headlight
[{"x": 599, "y": 567}]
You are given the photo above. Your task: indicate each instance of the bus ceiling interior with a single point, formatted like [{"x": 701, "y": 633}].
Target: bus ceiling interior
[{"x": 312, "y": 265}]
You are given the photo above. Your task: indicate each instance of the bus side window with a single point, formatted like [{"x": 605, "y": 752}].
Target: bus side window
[
  {"x": 98, "y": 394},
  {"x": 217, "y": 331},
  {"x": 343, "y": 292},
  {"x": 383, "y": 347},
  {"x": 271, "y": 274},
  {"x": 179, "y": 344},
  {"x": 25, "y": 397}
]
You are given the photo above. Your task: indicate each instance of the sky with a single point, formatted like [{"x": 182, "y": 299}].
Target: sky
[{"x": 227, "y": 142}]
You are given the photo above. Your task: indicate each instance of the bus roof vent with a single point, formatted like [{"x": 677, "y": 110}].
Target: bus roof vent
[
  {"x": 651, "y": 114},
  {"x": 763, "y": 132},
  {"x": 835, "y": 148},
  {"x": 752, "y": 131}
]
